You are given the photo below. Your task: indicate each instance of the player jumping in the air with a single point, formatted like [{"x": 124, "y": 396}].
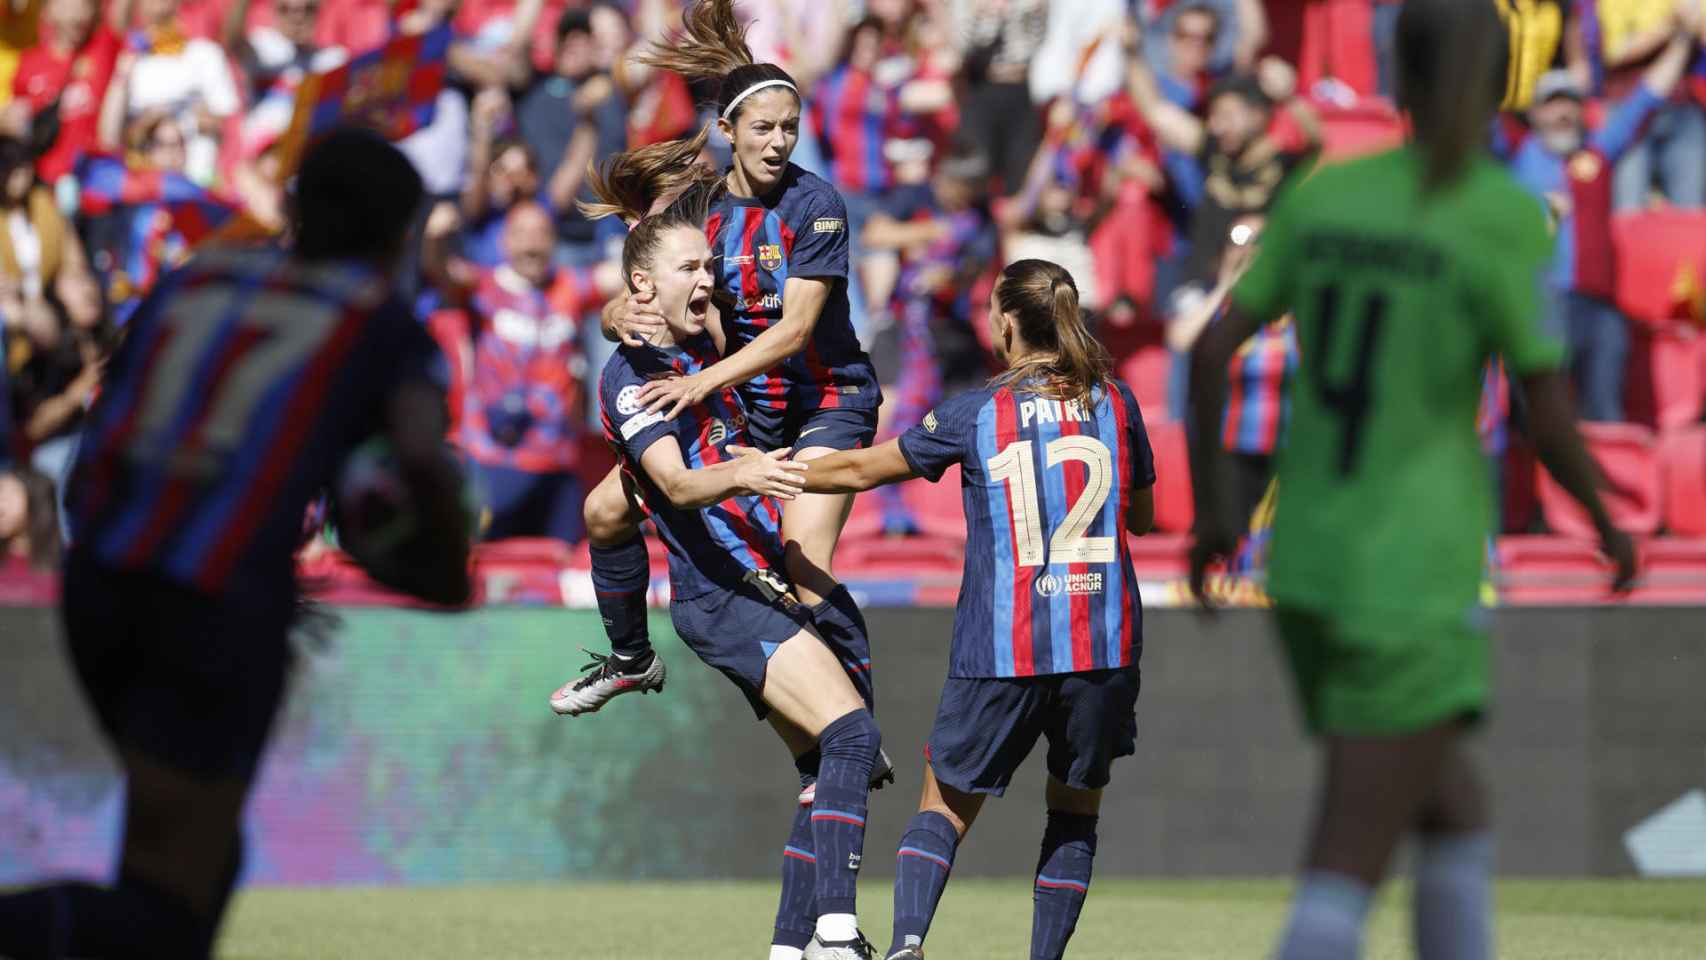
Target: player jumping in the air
[
  {"x": 730, "y": 603},
  {"x": 780, "y": 236},
  {"x": 1405, "y": 272},
  {"x": 1056, "y": 469},
  {"x": 245, "y": 380}
]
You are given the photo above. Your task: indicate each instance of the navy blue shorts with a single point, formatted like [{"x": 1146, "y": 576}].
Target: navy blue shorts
[
  {"x": 985, "y": 727},
  {"x": 522, "y": 504},
  {"x": 736, "y": 631},
  {"x": 188, "y": 679},
  {"x": 839, "y": 428}
]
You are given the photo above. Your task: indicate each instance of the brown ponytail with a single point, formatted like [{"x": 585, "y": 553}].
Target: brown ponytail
[
  {"x": 713, "y": 47},
  {"x": 1453, "y": 65},
  {"x": 690, "y": 210},
  {"x": 1065, "y": 361},
  {"x": 631, "y": 182}
]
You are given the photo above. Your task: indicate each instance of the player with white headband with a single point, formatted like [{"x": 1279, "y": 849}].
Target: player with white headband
[{"x": 779, "y": 238}]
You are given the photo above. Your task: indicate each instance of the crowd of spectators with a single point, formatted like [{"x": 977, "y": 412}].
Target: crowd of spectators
[{"x": 1136, "y": 142}]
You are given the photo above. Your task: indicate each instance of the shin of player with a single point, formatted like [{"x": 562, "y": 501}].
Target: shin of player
[
  {"x": 1406, "y": 271},
  {"x": 717, "y": 508},
  {"x": 1048, "y": 630}
]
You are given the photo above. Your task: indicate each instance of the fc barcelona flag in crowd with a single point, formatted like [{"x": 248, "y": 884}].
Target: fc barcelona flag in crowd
[
  {"x": 391, "y": 89},
  {"x": 107, "y": 183}
]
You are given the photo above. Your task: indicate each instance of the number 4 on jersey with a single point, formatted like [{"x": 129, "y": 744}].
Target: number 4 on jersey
[{"x": 1347, "y": 399}]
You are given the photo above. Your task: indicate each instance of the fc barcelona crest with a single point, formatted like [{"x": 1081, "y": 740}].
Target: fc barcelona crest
[
  {"x": 770, "y": 255},
  {"x": 1585, "y": 166}
]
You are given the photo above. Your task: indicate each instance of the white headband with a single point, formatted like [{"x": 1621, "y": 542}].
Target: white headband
[{"x": 729, "y": 110}]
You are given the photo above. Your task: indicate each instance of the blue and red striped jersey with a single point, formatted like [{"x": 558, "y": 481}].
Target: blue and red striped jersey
[
  {"x": 1048, "y": 584},
  {"x": 1586, "y": 260},
  {"x": 1256, "y": 400},
  {"x": 759, "y": 244},
  {"x": 712, "y": 548},
  {"x": 522, "y": 408},
  {"x": 855, "y": 115},
  {"x": 243, "y": 382}
]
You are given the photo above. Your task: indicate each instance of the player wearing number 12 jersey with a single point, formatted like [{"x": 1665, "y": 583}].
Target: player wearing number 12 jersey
[
  {"x": 1405, "y": 272},
  {"x": 1056, "y": 468}
]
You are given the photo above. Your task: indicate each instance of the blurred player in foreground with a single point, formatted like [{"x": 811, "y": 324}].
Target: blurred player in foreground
[
  {"x": 806, "y": 669},
  {"x": 1406, "y": 272},
  {"x": 246, "y": 379},
  {"x": 1056, "y": 469}
]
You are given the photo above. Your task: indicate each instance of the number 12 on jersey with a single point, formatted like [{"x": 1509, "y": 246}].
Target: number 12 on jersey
[{"x": 1015, "y": 467}]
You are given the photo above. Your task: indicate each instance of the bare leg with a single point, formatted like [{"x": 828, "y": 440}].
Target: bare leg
[{"x": 811, "y": 525}]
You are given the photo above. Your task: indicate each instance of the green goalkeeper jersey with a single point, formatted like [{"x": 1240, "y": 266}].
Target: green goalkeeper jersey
[{"x": 1400, "y": 296}]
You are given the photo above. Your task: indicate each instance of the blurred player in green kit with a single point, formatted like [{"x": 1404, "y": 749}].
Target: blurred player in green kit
[{"x": 1406, "y": 271}]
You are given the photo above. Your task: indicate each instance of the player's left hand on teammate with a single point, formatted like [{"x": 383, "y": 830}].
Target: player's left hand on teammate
[
  {"x": 769, "y": 474},
  {"x": 675, "y": 394}
]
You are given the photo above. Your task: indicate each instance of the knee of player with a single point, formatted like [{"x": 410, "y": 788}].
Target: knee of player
[
  {"x": 854, "y": 733},
  {"x": 606, "y": 520}
]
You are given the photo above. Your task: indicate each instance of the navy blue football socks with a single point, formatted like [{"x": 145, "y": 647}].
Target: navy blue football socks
[
  {"x": 621, "y": 575},
  {"x": 1063, "y": 881},
  {"x": 133, "y": 919},
  {"x": 922, "y": 865},
  {"x": 796, "y": 911},
  {"x": 849, "y": 747}
]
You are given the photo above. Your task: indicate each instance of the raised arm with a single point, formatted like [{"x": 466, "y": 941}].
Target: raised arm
[
  {"x": 1175, "y": 127},
  {"x": 232, "y": 36},
  {"x": 490, "y": 107},
  {"x": 854, "y": 471},
  {"x": 764, "y": 474}
]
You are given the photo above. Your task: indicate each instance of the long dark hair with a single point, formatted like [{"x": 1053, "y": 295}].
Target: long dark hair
[
  {"x": 1453, "y": 61},
  {"x": 1067, "y": 363},
  {"x": 713, "y": 47},
  {"x": 41, "y": 528}
]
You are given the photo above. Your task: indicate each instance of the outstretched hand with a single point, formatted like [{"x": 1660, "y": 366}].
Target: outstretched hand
[{"x": 768, "y": 474}]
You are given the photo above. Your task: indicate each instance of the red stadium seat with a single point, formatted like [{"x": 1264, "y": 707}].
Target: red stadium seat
[
  {"x": 1147, "y": 372},
  {"x": 1628, "y": 455},
  {"x": 596, "y": 459},
  {"x": 1159, "y": 556},
  {"x": 1682, "y": 454},
  {"x": 1661, "y": 256},
  {"x": 938, "y": 507},
  {"x": 1174, "y": 511},
  {"x": 1667, "y": 379},
  {"x": 1673, "y": 571},
  {"x": 1369, "y": 127},
  {"x": 866, "y": 520},
  {"x": 524, "y": 551},
  {"x": 899, "y": 556},
  {"x": 1551, "y": 570}
]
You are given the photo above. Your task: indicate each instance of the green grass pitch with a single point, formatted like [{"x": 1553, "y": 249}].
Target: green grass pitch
[{"x": 1150, "y": 919}]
